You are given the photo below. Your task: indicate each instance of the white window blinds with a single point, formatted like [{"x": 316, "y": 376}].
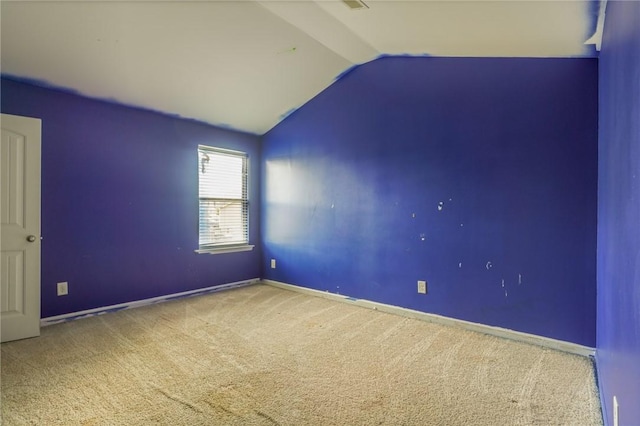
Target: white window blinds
[{"x": 222, "y": 188}]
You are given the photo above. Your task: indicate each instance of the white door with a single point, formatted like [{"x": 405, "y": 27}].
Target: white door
[{"x": 20, "y": 234}]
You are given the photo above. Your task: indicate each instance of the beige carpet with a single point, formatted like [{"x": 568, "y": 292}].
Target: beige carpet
[{"x": 260, "y": 355}]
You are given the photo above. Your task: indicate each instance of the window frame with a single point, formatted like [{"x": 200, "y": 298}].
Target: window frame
[{"x": 218, "y": 248}]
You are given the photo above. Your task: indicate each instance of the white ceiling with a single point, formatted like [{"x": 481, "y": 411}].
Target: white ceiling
[{"x": 246, "y": 64}]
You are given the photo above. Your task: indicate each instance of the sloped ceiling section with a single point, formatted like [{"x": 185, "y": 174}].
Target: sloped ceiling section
[
  {"x": 246, "y": 64},
  {"x": 225, "y": 63}
]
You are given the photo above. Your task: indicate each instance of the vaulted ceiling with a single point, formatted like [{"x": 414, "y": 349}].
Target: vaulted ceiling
[{"x": 247, "y": 64}]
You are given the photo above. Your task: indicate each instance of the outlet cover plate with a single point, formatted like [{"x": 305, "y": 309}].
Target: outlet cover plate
[
  {"x": 422, "y": 287},
  {"x": 63, "y": 288}
]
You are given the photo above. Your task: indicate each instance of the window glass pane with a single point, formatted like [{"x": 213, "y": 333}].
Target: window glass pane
[
  {"x": 222, "y": 222},
  {"x": 223, "y": 197},
  {"x": 222, "y": 176}
]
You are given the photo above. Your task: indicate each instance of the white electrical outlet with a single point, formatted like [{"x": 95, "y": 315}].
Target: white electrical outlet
[
  {"x": 63, "y": 289},
  {"x": 422, "y": 287},
  {"x": 273, "y": 264},
  {"x": 616, "y": 418}
]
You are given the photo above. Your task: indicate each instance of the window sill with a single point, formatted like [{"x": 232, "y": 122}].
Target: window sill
[{"x": 227, "y": 249}]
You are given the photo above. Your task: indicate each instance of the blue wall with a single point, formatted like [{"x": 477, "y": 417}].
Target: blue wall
[
  {"x": 120, "y": 200},
  {"x": 353, "y": 183},
  {"x": 618, "y": 335}
]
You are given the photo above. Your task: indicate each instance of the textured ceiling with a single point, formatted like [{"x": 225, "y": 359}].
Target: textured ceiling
[{"x": 247, "y": 64}]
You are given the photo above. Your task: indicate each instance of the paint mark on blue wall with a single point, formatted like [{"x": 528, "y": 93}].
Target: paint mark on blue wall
[
  {"x": 346, "y": 72},
  {"x": 404, "y": 55},
  {"x": 287, "y": 114}
]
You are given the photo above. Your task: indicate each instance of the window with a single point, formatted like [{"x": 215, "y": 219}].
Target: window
[{"x": 224, "y": 204}]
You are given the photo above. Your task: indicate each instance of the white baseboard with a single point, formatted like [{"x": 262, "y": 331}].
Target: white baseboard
[
  {"x": 518, "y": 336},
  {"x": 137, "y": 303}
]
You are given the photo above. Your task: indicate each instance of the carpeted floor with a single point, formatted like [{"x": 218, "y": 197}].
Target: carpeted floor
[{"x": 260, "y": 355}]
